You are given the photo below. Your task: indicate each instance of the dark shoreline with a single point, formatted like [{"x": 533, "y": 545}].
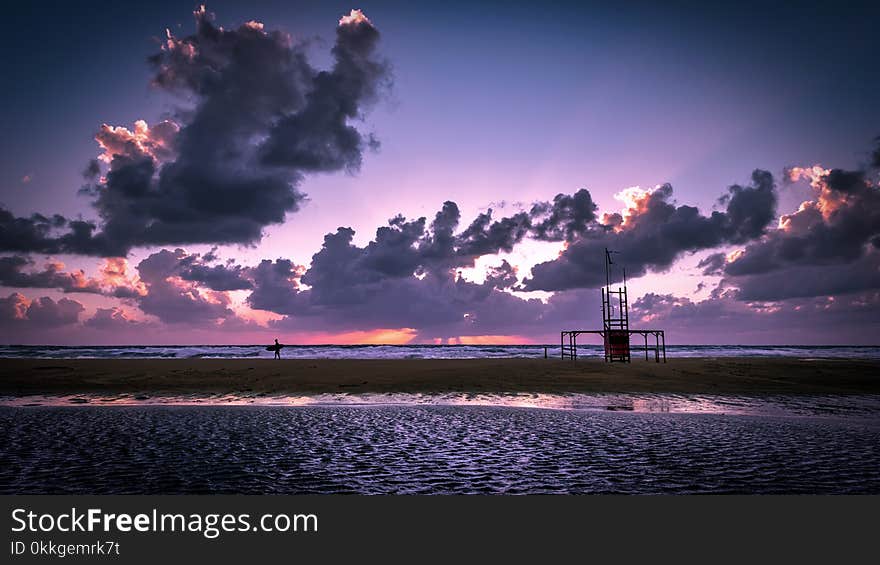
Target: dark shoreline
[{"x": 157, "y": 377}]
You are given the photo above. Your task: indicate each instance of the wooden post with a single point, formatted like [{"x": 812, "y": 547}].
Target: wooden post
[
  {"x": 657, "y": 351},
  {"x": 663, "y": 334}
]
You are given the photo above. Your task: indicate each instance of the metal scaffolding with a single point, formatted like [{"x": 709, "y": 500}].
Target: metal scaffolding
[
  {"x": 616, "y": 333},
  {"x": 568, "y": 343}
]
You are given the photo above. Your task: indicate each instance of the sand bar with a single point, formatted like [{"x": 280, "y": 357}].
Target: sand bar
[{"x": 750, "y": 376}]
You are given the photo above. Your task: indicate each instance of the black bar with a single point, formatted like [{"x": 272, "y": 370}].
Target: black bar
[{"x": 540, "y": 529}]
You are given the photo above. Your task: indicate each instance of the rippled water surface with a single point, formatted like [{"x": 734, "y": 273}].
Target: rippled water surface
[{"x": 428, "y": 449}]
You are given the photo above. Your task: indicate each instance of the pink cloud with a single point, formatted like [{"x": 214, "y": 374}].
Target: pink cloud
[
  {"x": 156, "y": 142},
  {"x": 356, "y": 17}
]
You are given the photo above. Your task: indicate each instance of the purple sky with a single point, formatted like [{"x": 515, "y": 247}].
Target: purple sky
[{"x": 277, "y": 138}]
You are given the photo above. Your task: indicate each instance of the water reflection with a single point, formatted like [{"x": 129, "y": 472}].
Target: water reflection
[{"x": 789, "y": 405}]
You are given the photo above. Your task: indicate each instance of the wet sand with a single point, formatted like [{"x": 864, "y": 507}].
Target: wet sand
[
  {"x": 393, "y": 449},
  {"x": 157, "y": 377}
]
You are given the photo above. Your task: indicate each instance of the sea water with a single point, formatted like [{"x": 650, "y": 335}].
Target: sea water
[{"x": 415, "y": 351}]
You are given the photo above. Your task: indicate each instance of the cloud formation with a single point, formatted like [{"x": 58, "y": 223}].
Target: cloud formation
[
  {"x": 173, "y": 299},
  {"x": 52, "y": 276},
  {"x": 319, "y": 137},
  {"x": 113, "y": 319},
  {"x": 566, "y": 218},
  {"x": 849, "y": 320},
  {"x": 114, "y": 278},
  {"x": 16, "y": 311},
  {"x": 39, "y": 233},
  {"x": 257, "y": 117},
  {"x": 651, "y": 234},
  {"x": 407, "y": 276},
  {"x": 830, "y": 245}
]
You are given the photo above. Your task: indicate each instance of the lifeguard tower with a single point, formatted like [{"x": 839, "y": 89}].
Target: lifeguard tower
[{"x": 615, "y": 333}]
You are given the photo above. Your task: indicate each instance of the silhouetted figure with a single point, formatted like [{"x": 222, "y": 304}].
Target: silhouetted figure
[{"x": 277, "y": 349}]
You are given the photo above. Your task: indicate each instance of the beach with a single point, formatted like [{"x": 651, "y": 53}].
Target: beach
[
  {"x": 439, "y": 426},
  {"x": 157, "y": 377}
]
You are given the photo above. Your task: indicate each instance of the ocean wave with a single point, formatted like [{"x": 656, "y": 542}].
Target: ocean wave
[{"x": 252, "y": 351}]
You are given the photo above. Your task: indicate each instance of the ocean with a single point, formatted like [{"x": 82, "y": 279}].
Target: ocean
[{"x": 415, "y": 351}]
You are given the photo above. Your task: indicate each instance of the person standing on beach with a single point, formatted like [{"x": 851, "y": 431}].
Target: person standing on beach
[{"x": 277, "y": 349}]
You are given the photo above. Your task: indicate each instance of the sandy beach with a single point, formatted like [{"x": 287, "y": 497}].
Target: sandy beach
[{"x": 749, "y": 376}]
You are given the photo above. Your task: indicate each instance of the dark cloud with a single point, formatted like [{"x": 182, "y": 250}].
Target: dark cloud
[
  {"x": 845, "y": 182},
  {"x": 805, "y": 280},
  {"x": 832, "y": 228},
  {"x": 565, "y": 218},
  {"x": 749, "y": 210},
  {"x": 655, "y": 233},
  {"x": 46, "y": 312},
  {"x": 434, "y": 306},
  {"x": 13, "y": 308},
  {"x": 217, "y": 277},
  {"x": 28, "y": 234},
  {"x": 113, "y": 277},
  {"x": 319, "y": 137},
  {"x": 92, "y": 170},
  {"x": 343, "y": 273},
  {"x": 50, "y": 235},
  {"x": 393, "y": 254},
  {"x": 826, "y": 247},
  {"x": 437, "y": 247},
  {"x": 257, "y": 118},
  {"x": 712, "y": 264},
  {"x": 502, "y": 276},
  {"x": 173, "y": 299},
  {"x": 487, "y": 237},
  {"x": 211, "y": 256},
  {"x": 407, "y": 276},
  {"x": 40, "y": 313},
  {"x": 276, "y": 284},
  {"x": 111, "y": 319},
  {"x": 724, "y": 319},
  {"x": 52, "y": 276}
]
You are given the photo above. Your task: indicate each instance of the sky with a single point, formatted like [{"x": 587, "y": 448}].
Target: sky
[{"x": 408, "y": 172}]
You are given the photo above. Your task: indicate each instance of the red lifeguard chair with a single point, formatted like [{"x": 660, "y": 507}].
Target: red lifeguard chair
[
  {"x": 615, "y": 317},
  {"x": 615, "y": 332}
]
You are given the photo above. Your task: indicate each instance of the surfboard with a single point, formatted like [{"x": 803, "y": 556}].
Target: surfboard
[{"x": 275, "y": 347}]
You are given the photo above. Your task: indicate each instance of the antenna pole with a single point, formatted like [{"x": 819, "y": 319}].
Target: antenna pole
[{"x": 607, "y": 268}]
